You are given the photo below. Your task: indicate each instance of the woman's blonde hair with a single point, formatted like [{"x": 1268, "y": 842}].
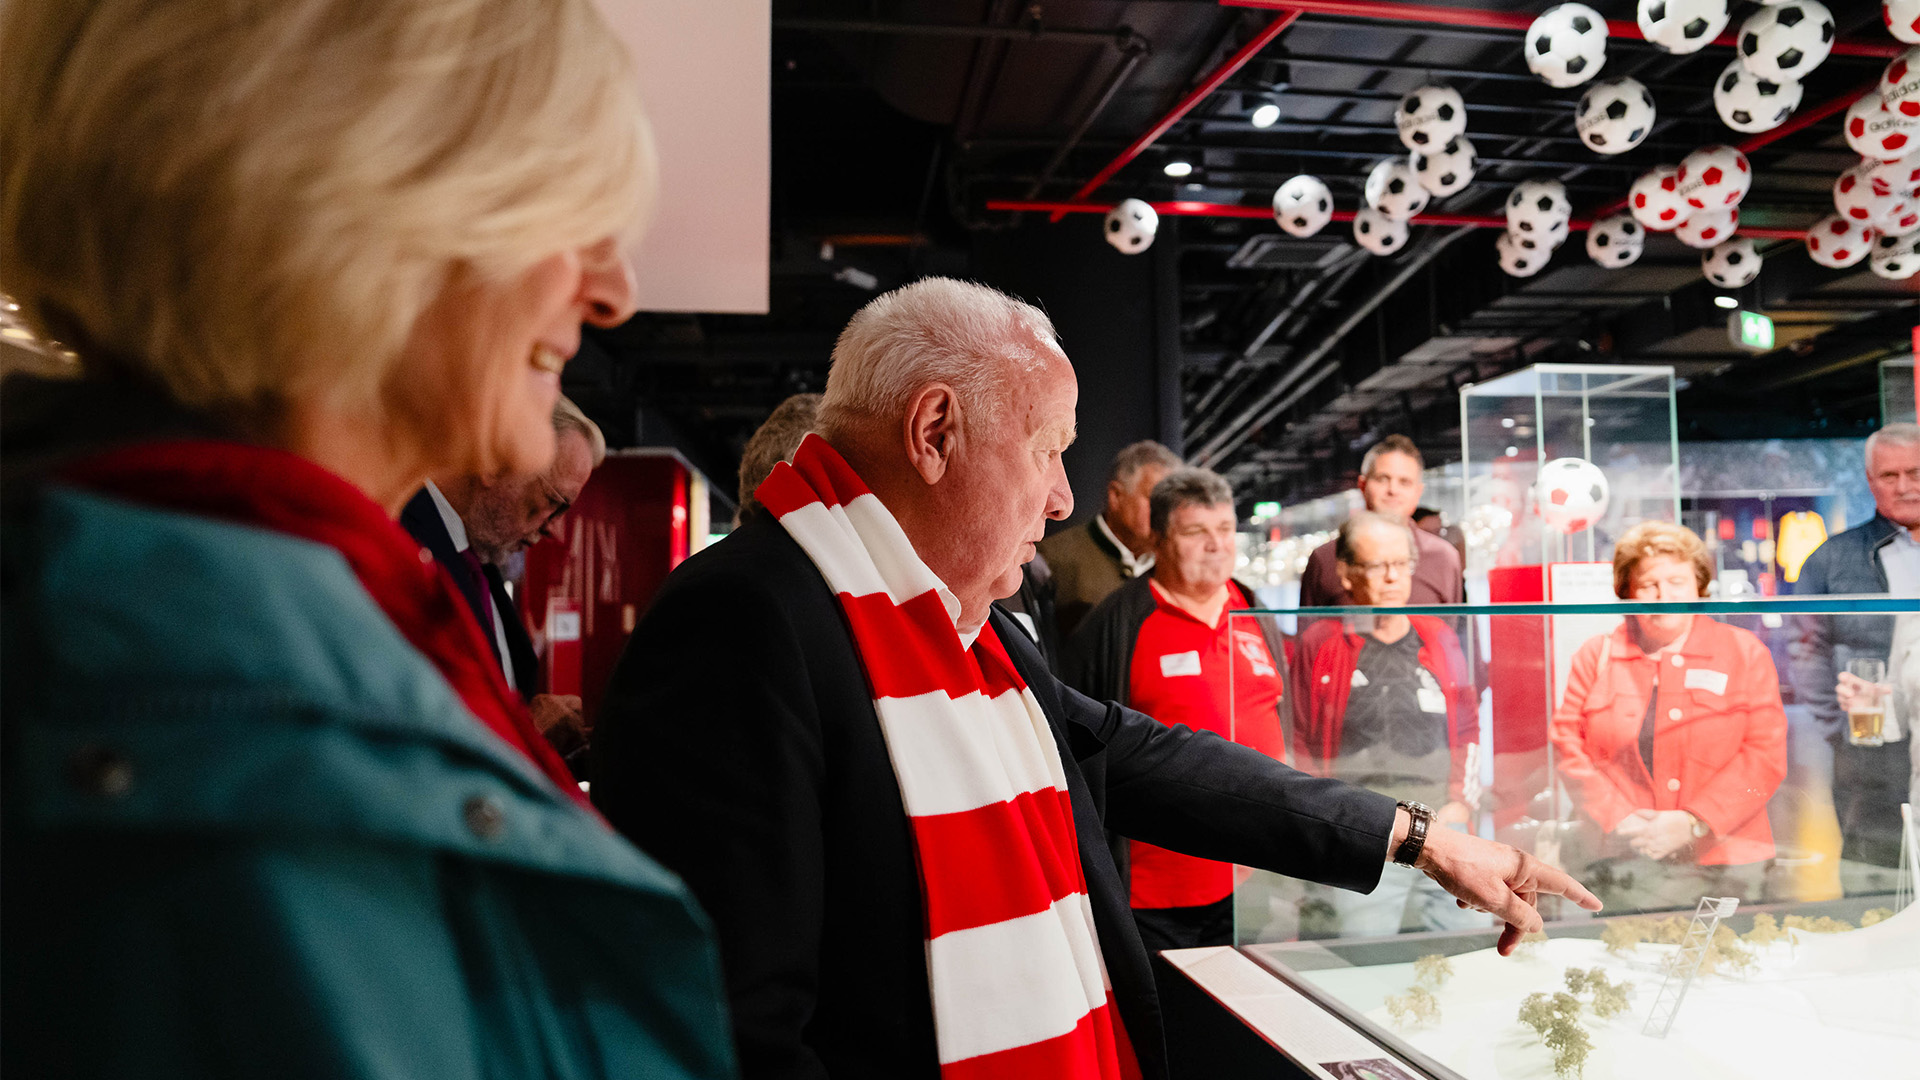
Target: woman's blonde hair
[
  {"x": 1659, "y": 538},
  {"x": 248, "y": 202}
]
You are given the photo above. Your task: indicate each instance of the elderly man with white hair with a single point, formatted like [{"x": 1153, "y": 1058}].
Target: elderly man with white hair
[{"x": 892, "y": 811}]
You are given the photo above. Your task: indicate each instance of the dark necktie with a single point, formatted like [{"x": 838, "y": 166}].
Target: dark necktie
[{"x": 486, "y": 592}]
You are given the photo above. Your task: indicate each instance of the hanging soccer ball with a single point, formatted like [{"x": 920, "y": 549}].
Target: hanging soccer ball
[
  {"x": 1786, "y": 41},
  {"x": 1902, "y": 220},
  {"x": 1855, "y": 198},
  {"x": 1393, "y": 190},
  {"x": 1896, "y": 177},
  {"x": 1377, "y": 232},
  {"x": 1900, "y": 84},
  {"x": 1447, "y": 169},
  {"x": 1614, "y": 115},
  {"x": 1430, "y": 116},
  {"x": 1567, "y": 45},
  {"x": 1895, "y": 258},
  {"x": 1655, "y": 200},
  {"x": 1303, "y": 206},
  {"x": 1705, "y": 228},
  {"x": 1682, "y": 26},
  {"x": 1902, "y": 18},
  {"x": 1835, "y": 242},
  {"x": 1536, "y": 205},
  {"x": 1749, "y": 103},
  {"x": 1131, "y": 225},
  {"x": 1876, "y": 132},
  {"x": 1518, "y": 260},
  {"x": 1616, "y": 241},
  {"x": 1571, "y": 494},
  {"x": 1713, "y": 177},
  {"x": 1732, "y": 263}
]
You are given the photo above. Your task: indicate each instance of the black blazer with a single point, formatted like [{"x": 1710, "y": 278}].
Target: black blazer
[
  {"x": 738, "y": 744},
  {"x": 421, "y": 518}
]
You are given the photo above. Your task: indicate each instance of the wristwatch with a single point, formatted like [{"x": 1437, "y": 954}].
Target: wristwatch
[
  {"x": 1700, "y": 829},
  {"x": 1409, "y": 850}
]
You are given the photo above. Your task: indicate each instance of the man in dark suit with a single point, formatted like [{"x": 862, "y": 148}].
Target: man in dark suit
[
  {"x": 739, "y": 742},
  {"x": 472, "y": 524}
]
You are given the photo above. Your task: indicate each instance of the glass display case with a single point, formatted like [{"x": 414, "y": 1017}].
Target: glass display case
[
  {"x": 1557, "y": 461},
  {"x": 1752, "y": 754}
]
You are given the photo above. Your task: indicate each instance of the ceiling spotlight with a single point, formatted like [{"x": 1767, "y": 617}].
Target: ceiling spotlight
[
  {"x": 1265, "y": 115},
  {"x": 1178, "y": 169},
  {"x": 1727, "y": 302}
]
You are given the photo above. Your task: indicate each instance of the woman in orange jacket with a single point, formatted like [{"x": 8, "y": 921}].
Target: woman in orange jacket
[{"x": 1672, "y": 737}]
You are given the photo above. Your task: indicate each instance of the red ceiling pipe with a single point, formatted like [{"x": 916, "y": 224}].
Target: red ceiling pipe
[
  {"x": 1501, "y": 20},
  {"x": 1199, "y": 93},
  {"x": 1184, "y": 208}
]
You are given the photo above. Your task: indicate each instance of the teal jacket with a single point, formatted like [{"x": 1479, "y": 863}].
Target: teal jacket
[{"x": 249, "y": 831}]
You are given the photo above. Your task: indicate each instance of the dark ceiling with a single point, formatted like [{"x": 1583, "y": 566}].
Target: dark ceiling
[{"x": 895, "y": 123}]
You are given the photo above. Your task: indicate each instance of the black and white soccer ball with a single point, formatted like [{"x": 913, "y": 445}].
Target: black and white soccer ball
[
  {"x": 1682, "y": 26},
  {"x": 1377, "y": 232},
  {"x": 1519, "y": 260},
  {"x": 1705, "y": 228},
  {"x": 1394, "y": 190},
  {"x": 1303, "y": 205},
  {"x": 1616, "y": 241},
  {"x": 1131, "y": 225},
  {"x": 1615, "y": 115},
  {"x": 1536, "y": 207},
  {"x": 1447, "y": 169},
  {"x": 1786, "y": 41},
  {"x": 1570, "y": 494},
  {"x": 1731, "y": 263},
  {"x": 1751, "y": 104},
  {"x": 1895, "y": 258},
  {"x": 1429, "y": 116},
  {"x": 1567, "y": 45}
]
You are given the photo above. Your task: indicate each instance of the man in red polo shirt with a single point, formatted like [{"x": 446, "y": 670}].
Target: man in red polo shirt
[{"x": 1165, "y": 645}]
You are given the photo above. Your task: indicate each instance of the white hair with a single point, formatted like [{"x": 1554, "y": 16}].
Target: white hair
[
  {"x": 940, "y": 330},
  {"x": 1891, "y": 435},
  {"x": 245, "y": 204}
]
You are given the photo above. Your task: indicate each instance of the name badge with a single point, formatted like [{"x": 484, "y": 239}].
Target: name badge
[
  {"x": 1713, "y": 682},
  {"x": 1359, "y": 679},
  {"x": 1180, "y": 663},
  {"x": 1431, "y": 699}
]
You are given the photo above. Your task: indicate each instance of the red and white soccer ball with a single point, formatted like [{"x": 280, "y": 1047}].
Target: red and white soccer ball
[
  {"x": 1713, "y": 177},
  {"x": 1902, "y": 220},
  {"x": 1903, "y": 19},
  {"x": 1900, "y": 84},
  {"x": 1838, "y": 243},
  {"x": 1856, "y": 198},
  {"x": 1896, "y": 177},
  {"x": 1655, "y": 200},
  {"x": 1570, "y": 494},
  {"x": 1705, "y": 228},
  {"x": 1876, "y": 132}
]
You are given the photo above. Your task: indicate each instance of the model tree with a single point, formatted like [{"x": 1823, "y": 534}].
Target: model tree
[
  {"x": 1432, "y": 971},
  {"x": 1765, "y": 931},
  {"x": 1879, "y": 914},
  {"x": 1623, "y": 935},
  {"x": 1416, "y": 1006},
  {"x": 1556, "y": 1020}
]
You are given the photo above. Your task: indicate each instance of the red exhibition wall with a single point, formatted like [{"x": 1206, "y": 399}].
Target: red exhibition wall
[{"x": 641, "y": 514}]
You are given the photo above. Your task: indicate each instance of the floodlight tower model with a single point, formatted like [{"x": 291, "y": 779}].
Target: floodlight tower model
[{"x": 1686, "y": 962}]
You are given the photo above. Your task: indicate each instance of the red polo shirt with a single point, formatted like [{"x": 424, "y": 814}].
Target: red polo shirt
[{"x": 1186, "y": 672}]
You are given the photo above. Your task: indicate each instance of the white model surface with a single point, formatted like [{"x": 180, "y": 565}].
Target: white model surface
[{"x": 1803, "y": 1012}]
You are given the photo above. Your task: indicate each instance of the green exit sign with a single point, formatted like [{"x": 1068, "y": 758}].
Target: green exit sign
[
  {"x": 1750, "y": 330},
  {"x": 1264, "y": 510}
]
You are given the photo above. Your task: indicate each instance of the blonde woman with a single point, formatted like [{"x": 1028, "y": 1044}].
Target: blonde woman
[
  {"x": 1672, "y": 736},
  {"x": 269, "y": 810}
]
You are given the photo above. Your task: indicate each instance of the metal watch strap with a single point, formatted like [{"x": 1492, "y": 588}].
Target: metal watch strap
[{"x": 1421, "y": 816}]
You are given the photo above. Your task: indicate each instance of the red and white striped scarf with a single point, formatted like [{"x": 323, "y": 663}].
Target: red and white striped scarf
[{"x": 1013, "y": 962}]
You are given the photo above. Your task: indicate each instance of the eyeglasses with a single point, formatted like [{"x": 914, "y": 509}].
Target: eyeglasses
[{"x": 1378, "y": 570}]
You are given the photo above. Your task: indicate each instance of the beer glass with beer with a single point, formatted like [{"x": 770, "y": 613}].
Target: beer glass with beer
[{"x": 1867, "y": 704}]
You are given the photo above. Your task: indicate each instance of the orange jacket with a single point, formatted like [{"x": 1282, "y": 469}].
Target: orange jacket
[{"x": 1720, "y": 735}]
